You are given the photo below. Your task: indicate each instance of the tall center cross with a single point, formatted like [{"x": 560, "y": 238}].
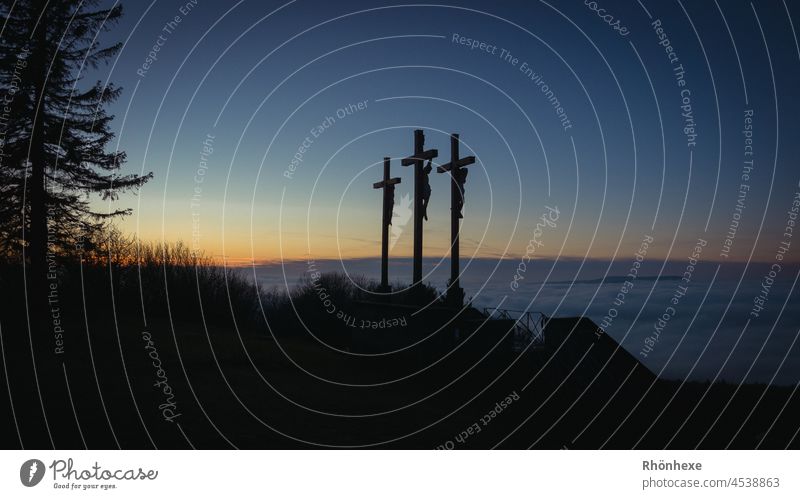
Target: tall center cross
[{"x": 420, "y": 181}]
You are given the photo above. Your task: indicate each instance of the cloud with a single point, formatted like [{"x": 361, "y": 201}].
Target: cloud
[{"x": 695, "y": 342}]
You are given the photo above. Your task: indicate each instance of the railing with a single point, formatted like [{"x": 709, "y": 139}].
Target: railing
[{"x": 528, "y": 326}]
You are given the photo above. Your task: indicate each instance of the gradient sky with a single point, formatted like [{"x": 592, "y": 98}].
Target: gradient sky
[{"x": 259, "y": 75}]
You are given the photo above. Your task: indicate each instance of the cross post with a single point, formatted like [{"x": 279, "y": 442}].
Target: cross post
[
  {"x": 458, "y": 176},
  {"x": 387, "y": 184}
]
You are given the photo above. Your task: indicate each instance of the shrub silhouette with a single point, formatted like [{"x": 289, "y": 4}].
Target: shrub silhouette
[{"x": 124, "y": 276}]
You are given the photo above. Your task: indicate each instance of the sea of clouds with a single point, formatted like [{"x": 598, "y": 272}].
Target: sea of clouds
[{"x": 711, "y": 333}]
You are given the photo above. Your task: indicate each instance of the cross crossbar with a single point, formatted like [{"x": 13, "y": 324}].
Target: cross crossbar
[
  {"x": 465, "y": 161},
  {"x": 423, "y": 156}
]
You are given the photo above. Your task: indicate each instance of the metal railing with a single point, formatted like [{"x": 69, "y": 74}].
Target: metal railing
[{"x": 528, "y": 326}]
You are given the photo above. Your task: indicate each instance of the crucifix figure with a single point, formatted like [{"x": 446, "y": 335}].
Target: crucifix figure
[
  {"x": 387, "y": 184},
  {"x": 426, "y": 189},
  {"x": 420, "y": 196},
  {"x": 458, "y": 176}
]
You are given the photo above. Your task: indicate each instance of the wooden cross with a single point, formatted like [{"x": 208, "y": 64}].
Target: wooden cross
[
  {"x": 418, "y": 159},
  {"x": 387, "y": 184},
  {"x": 458, "y": 175}
]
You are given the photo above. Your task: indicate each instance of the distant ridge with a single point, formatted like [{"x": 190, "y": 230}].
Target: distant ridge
[{"x": 615, "y": 279}]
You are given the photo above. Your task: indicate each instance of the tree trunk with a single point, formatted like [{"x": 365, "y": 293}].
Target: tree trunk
[{"x": 37, "y": 233}]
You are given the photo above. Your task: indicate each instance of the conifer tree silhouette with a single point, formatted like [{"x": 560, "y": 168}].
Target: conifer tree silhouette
[{"x": 57, "y": 142}]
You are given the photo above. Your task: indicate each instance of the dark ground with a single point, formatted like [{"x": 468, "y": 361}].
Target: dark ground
[{"x": 236, "y": 384}]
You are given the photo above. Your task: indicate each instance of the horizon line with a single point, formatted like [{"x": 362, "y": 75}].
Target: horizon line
[{"x": 248, "y": 262}]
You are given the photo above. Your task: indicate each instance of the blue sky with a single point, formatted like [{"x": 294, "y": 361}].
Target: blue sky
[{"x": 258, "y": 76}]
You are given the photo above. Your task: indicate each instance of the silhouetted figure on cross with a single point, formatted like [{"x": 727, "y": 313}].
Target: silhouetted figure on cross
[
  {"x": 426, "y": 189},
  {"x": 460, "y": 178}
]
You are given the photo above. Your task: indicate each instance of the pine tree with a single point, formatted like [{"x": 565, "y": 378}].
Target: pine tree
[{"x": 58, "y": 149}]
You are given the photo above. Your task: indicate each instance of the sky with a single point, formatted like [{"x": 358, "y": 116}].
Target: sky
[{"x": 637, "y": 146}]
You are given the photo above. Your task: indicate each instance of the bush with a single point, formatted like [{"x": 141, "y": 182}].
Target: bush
[{"x": 126, "y": 276}]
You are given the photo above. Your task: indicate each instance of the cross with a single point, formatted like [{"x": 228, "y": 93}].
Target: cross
[
  {"x": 458, "y": 175},
  {"x": 387, "y": 184},
  {"x": 418, "y": 159}
]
